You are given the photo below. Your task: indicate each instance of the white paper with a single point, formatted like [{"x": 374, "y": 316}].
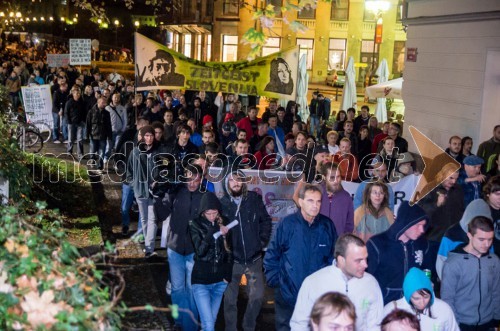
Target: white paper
[
  {"x": 164, "y": 232},
  {"x": 229, "y": 227}
]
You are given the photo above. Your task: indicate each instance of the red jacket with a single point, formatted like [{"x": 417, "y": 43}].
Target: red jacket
[{"x": 245, "y": 124}]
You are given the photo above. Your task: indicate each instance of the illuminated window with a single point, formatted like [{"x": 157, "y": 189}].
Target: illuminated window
[
  {"x": 336, "y": 53},
  {"x": 307, "y": 12},
  {"x": 198, "y": 46},
  {"x": 340, "y": 10},
  {"x": 277, "y": 6},
  {"x": 187, "y": 45},
  {"x": 229, "y": 48},
  {"x": 306, "y": 47},
  {"x": 272, "y": 46},
  {"x": 209, "y": 47}
]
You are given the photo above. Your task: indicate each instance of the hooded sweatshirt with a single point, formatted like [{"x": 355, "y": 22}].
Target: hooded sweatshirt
[
  {"x": 457, "y": 234},
  {"x": 438, "y": 316},
  {"x": 389, "y": 259},
  {"x": 471, "y": 286}
]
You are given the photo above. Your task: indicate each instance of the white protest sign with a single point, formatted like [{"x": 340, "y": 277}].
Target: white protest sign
[
  {"x": 80, "y": 51},
  {"x": 57, "y": 60},
  {"x": 38, "y": 103}
]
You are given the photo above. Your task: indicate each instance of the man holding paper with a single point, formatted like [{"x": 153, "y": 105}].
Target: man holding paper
[{"x": 248, "y": 238}]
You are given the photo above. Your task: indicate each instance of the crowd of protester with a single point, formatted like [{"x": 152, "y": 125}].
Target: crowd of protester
[{"x": 335, "y": 262}]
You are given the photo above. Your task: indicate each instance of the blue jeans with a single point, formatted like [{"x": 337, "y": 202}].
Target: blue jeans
[
  {"x": 181, "y": 267},
  {"x": 55, "y": 130},
  {"x": 64, "y": 126},
  {"x": 148, "y": 219},
  {"x": 111, "y": 145},
  {"x": 76, "y": 135},
  {"x": 97, "y": 147},
  {"x": 314, "y": 126},
  {"x": 208, "y": 299},
  {"x": 127, "y": 200}
]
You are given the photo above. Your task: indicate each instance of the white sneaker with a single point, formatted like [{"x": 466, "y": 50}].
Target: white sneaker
[
  {"x": 66, "y": 141},
  {"x": 56, "y": 141}
]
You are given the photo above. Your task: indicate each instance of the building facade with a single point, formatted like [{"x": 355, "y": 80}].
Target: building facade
[{"x": 213, "y": 30}]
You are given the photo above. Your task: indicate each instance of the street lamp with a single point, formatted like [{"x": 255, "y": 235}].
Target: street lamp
[
  {"x": 117, "y": 24},
  {"x": 377, "y": 7},
  {"x": 136, "y": 24}
]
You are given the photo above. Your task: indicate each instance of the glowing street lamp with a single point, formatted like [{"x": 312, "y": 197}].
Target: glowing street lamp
[
  {"x": 18, "y": 14},
  {"x": 377, "y": 7},
  {"x": 136, "y": 24}
]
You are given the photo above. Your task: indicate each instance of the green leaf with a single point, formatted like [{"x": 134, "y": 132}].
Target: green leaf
[
  {"x": 149, "y": 308},
  {"x": 175, "y": 311}
]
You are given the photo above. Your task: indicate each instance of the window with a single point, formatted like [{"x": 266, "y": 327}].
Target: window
[
  {"x": 277, "y": 6},
  {"x": 306, "y": 47},
  {"x": 170, "y": 39},
  {"x": 401, "y": 11},
  {"x": 336, "y": 53},
  {"x": 198, "y": 46},
  {"x": 231, "y": 7},
  {"x": 187, "y": 45},
  {"x": 308, "y": 12},
  {"x": 369, "y": 16},
  {"x": 272, "y": 46},
  {"x": 229, "y": 48},
  {"x": 340, "y": 10},
  {"x": 176, "y": 42},
  {"x": 367, "y": 54},
  {"x": 209, "y": 47},
  {"x": 398, "y": 61}
]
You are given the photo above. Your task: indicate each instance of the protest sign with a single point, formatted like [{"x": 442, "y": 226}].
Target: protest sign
[
  {"x": 80, "y": 51},
  {"x": 57, "y": 60},
  {"x": 38, "y": 103}
]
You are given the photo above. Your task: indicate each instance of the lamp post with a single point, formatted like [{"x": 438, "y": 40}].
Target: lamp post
[
  {"x": 377, "y": 7},
  {"x": 136, "y": 24},
  {"x": 117, "y": 24}
]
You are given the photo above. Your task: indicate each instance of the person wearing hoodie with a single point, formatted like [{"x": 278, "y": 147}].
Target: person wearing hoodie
[
  {"x": 140, "y": 176},
  {"x": 347, "y": 276},
  {"x": 393, "y": 252},
  {"x": 419, "y": 299},
  {"x": 457, "y": 234},
  {"x": 302, "y": 244},
  {"x": 471, "y": 279},
  {"x": 248, "y": 238},
  {"x": 491, "y": 193},
  {"x": 212, "y": 259}
]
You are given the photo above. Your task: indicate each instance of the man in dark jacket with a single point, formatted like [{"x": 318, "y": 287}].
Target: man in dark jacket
[
  {"x": 99, "y": 130},
  {"x": 75, "y": 114},
  {"x": 393, "y": 252},
  {"x": 185, "y": 204},
  {"x": 302, "y": 244},
  {"x": 59, "y": 98},
  {"x": 249, "y": 237}
]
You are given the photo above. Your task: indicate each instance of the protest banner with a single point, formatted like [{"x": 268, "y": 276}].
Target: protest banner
[
  {"x": 38, "y": 103},
  {"x": 80, "y": 51},
  {"x": 57, "y": 60},
  {"x": 277, "y": 193},
  {"x": 158, "y": 67}
]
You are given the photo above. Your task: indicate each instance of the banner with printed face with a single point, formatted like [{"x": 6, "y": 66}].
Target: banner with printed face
[
  {"x": 57, "y": 60},
  {"x": 80, "y": 51},
  {"x": 38, "y": 103},
  {"x": 277, "y": 189},
  {"x": 158, "y": 67}
]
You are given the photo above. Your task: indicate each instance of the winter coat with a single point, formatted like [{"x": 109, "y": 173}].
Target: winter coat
[
  {"x": 253, "y": 232},
  {"x": 389, "y": 259},
  {"x": 118, "y": 116},
  {"x": 140, "y": 170},
  {"x": 297, "y": 250},
  {"x": 98, "y": 124},
  {"x": 212, "y": 257},
  {"x": 59, "y": 99},
  {"x": 74, "y": 111}
]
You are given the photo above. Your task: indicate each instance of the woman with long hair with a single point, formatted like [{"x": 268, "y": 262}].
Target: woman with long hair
[
  {"x": 466, "y": 148},
  {"x": 266, "y": 156},
  {"x": 374, "y": 215},
  {"x": 280, "y": 80},
  {"x": 339, "y": 120},
  {"x": 213, "y": 266},
  {"x": 373, "y": 129},
  {"x": 419, "y": 300}
]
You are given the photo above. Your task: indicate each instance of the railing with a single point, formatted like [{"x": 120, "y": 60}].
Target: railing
[
  {"x": 310, "y": 24},
  {"x": 339, "y": 26}
]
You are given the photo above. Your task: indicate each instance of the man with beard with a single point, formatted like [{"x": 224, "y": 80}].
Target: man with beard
[
  {"x": 248, "y": 239},
  {"x": 336, "y": 202}
]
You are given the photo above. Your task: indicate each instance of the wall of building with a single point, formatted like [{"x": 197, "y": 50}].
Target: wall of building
[{"x": 453, "y": 87}]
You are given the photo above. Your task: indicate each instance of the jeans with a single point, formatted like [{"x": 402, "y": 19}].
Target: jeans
[
  {"x": 255, "y": 290},
  {"x": 181, "y": 268},
  {"x": 64, "y": 127},
  {"x": 75, "y": 134},
  {"x": 127, "y": 200},
  {"x": 314, "y": 126},
  {"x": 111, "y": 144},
  {"x": 282, "y": 312},
  {"x": 57, "y": 126},
  {"x": 208, "y": 299},
  {"x": 97, "y": 147},
  {"x": 148, "y": 220}
]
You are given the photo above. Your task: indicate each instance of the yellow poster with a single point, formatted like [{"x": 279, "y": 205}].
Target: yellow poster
[{"x": 158, "y": 67}]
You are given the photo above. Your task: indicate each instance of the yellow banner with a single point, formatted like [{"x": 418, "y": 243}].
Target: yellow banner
[{"x": 158, "y": 67}]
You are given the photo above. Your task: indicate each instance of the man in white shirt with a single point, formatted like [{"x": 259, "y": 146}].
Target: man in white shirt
[{"x": 346, "y": 275}]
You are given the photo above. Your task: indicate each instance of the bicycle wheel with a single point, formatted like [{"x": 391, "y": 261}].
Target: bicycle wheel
[
  {"x": 30, "y": 141},
  {"x": 44, "y": 129}
]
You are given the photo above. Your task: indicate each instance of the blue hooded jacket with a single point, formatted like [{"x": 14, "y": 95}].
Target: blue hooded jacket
[
  {"x": 389, "y": 259},
  {"x": 416, "y": 280}
]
